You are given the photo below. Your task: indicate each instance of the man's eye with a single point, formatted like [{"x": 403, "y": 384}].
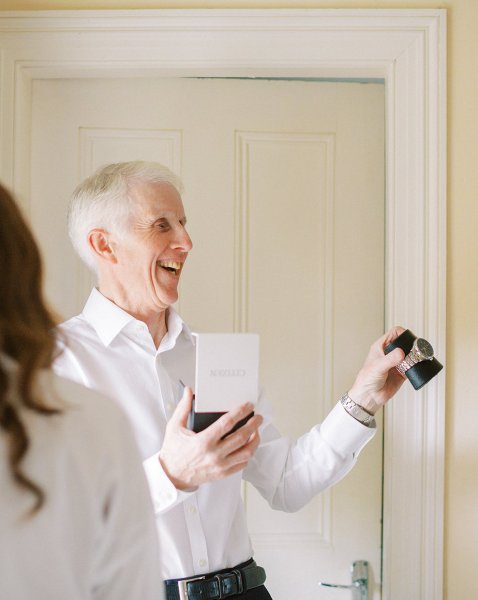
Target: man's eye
[{"x": 162, "y": 225}]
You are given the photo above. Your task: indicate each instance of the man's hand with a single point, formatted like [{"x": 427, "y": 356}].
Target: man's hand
[
  {"x": 377, "y": 381},
  {"x": 190, "y": 459}
]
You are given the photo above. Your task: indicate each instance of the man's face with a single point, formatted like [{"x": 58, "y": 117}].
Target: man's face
[{"x": 151, "y": 256}]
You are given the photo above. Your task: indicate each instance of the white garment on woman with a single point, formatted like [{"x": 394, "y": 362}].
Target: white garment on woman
[
  {"x": 205, "y": 530},
  {"x": 95, "y": 536}
]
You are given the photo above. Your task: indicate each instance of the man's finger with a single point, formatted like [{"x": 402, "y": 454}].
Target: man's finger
[
  {"x": 242, "y": 436},
  {"x": 392, "y": 359},
  {"x": 246, "y": 449},
  {"x": 392, "y": 334},
  {"x": 183, "y": 408},
  {"x": 225, "y": 423}
]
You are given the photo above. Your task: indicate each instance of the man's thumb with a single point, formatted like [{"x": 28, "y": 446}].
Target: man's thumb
[{"x": 183, "y": 408}]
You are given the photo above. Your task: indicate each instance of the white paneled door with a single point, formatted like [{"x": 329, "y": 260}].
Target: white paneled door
[{"x": 284, "y": 192}]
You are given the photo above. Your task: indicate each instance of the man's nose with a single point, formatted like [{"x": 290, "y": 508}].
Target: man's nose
[{"x": 182, "y": 240}]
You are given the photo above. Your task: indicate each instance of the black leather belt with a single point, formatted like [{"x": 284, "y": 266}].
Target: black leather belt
[{"x": 215, "y": 586}]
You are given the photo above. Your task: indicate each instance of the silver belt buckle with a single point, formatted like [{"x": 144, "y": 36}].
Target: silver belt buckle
[{"x": 183, "y": 587}]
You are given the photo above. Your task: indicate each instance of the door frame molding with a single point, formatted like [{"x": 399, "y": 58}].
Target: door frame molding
[{"x": 404, "y": 47}]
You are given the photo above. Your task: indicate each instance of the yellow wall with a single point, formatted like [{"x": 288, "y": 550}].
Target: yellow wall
[{"x": 461, "y": 529}]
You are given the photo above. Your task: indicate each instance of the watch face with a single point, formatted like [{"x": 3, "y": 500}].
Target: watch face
[{"x": 425, "y": 348}]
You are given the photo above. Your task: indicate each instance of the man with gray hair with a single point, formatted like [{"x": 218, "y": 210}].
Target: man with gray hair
[{"x": 127, "y": 222}]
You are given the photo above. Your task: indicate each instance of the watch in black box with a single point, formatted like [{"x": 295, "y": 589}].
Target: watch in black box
[{"x": 420, "y": 364}]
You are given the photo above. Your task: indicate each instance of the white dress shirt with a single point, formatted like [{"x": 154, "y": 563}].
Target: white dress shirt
[
  {"x": 204, "y": 530},
  {"x": 94, "y": 537}
]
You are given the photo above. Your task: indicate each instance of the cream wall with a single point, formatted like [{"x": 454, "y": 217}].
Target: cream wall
[{"x": 461, "y": 529}]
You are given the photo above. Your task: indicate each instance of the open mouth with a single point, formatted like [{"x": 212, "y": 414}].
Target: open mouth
[{"x": 171, "y": 266}]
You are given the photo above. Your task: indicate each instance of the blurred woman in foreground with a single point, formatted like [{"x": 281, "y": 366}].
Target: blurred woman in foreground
[{"x": 76, "y": 520}]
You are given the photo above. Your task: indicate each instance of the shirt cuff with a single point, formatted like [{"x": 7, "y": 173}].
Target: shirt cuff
[
  {"x": 344, "y": 433},
  {"x": 163, "y": 493}
]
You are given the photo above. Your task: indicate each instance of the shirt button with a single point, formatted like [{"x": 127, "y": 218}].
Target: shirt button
[
  {"x": 202, "y": 562},
  {"x": 192, "y": 510},
  {"x": 169, "y": 407}
]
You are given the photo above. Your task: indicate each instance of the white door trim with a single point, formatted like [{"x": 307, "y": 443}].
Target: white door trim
[{"x": 407, "y": 49}]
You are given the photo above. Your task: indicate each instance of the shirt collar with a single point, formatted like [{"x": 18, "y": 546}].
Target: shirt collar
[
  {"x": 108, "y": 320},
  {"x": 105, "y": 316}
]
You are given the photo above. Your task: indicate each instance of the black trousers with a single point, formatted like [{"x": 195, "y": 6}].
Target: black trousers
[{"x": 258, "y": 593}]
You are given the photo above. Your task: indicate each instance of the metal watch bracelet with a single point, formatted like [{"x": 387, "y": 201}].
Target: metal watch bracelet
[{"x": 357, "y": 412}]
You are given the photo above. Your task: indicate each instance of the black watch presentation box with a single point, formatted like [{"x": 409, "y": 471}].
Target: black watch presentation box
[{"x": 418, "y": 367}]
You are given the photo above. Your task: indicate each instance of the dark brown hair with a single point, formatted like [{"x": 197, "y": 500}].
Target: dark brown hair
[{"x": 26, "y": 335}]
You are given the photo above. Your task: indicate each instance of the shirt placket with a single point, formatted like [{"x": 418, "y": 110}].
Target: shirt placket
[
  {"x": 197, "y": 538},
  {"x": 166, "y": 393}
]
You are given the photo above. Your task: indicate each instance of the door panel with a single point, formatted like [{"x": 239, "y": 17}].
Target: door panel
[{"x": 285, "y": 200}]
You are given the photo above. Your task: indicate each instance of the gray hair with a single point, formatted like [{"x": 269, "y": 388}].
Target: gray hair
[{"x": 102, "y": 201}]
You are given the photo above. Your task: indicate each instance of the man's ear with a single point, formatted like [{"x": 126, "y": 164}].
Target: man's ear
[{"x": 100, "y": 243}]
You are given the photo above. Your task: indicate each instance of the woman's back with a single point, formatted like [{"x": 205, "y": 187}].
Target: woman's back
[{"x": 95, "y": 535}]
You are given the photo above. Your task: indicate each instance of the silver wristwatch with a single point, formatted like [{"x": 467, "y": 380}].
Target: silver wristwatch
[
  {"x": 357, "y": 412},
  {"x": 421, "y": 350}
]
